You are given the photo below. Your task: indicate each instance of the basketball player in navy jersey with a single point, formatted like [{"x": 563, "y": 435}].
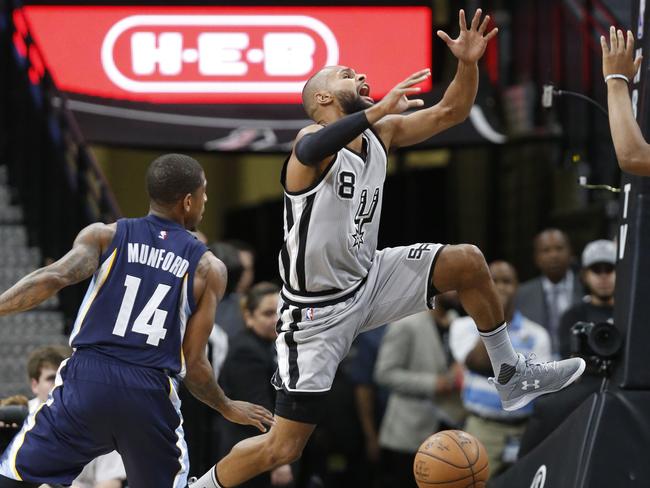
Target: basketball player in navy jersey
[
  {"x": 336, "y": 283},
  {"x": 143, "y": 326}
]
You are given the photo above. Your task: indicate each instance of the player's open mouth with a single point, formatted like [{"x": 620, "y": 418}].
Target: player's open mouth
[{"x": 364, "y": 91}]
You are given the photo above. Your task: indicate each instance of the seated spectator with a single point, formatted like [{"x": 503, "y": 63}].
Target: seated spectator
[
  {"x": 499, "y": 430},
  {"x": 544, "y": 299},
  {"x": 248, "y": 369},
  {"x": 42, "y": 366},
  {"x": 599, "y": 277},
  {"x": 413, "y": 366}
]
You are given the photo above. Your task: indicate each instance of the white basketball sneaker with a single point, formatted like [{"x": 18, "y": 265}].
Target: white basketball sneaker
[{"x": 531, "y": 380}]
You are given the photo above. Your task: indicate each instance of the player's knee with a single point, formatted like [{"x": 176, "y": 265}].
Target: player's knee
[
  {"x": 473, "y": 262},
  {"x": 285, "y": 453}
]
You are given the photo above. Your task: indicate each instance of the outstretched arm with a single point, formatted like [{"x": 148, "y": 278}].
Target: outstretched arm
[
  {"x": 459, "y": 97},
  {"x": 632, "y": 151},
  {"x": 77, "y": 265},
  {"x": 209, "y": 286}
]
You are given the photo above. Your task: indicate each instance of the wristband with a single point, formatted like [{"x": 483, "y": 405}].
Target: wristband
[{"x": 617, "y": 76}]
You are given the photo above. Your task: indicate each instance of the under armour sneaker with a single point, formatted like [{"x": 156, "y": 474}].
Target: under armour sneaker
[{"x": 531, "y": 380}]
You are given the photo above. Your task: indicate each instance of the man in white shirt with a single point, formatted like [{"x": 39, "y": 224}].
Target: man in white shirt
[{"x": 499, "y": 430}]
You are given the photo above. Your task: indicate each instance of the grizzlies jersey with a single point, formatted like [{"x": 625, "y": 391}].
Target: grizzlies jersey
[
  {"x": 331, "y": 228},
  {"x": 141, "y": 296}
]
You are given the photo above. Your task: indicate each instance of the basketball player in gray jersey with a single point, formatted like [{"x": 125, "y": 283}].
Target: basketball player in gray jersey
[{"x": 336, "y": 283}]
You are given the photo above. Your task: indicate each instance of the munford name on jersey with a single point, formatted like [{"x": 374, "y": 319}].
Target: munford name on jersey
[{"x": 158, "y": 259}]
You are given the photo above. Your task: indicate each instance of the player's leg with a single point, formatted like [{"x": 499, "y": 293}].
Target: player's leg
[
  {"x": 283, "y": 444},
  {"x": 463, "y": 268},
  {"x": 55, "y": 442},
  {"x": 311, "y": 344},
  {"x": 148, "y": 430}
]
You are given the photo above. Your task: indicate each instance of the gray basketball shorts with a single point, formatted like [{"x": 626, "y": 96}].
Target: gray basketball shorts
[{"x": 313, "y": 340}]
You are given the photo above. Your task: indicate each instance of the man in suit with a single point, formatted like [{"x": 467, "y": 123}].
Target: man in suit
[{"x": 544, "y": 299}]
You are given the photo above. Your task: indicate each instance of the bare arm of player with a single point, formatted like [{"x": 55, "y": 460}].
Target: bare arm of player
[
  {"x": 209, "y": 286},
  {"x": 468, "y": 47},
  {"x": 77, "y": 265},
  {"x": 632, "y": 151}
]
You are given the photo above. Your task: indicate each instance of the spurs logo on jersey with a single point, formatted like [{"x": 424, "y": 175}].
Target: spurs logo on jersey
[
  {"x": 363, "y": 216},
  {"x": 330, "y": 229}
]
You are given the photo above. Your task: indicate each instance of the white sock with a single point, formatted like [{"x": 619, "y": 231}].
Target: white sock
[
  {"x": 208, "y": 480},
  {"x": 502, "y": 356}
]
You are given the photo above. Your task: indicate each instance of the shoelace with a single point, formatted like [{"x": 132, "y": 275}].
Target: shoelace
[{"x": 537, "y": 368}]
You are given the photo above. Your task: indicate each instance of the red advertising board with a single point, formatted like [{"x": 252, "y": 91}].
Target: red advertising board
[{"x": 225, "y": 54}]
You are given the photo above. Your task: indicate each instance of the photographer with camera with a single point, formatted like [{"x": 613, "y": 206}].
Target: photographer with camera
[
  {"x": 586, "y": 330},
  {"x": 599, "y": 278}
]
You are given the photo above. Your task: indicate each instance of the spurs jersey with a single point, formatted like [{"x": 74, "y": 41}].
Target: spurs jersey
[{"x": 331, "y": 228}]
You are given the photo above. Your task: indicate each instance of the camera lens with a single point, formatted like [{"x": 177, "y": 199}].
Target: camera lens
[{"x": 604, "y": 339}]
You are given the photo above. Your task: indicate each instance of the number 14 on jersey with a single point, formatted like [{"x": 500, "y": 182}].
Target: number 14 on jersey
[{"x": 150, "y": 321}]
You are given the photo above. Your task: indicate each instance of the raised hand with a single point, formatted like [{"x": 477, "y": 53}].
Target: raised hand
[
  {"x": 470, "y": 44},
  {"x": 395, "y": 101},
  {"x": 246, "y": 413},
  {"x": 618, "y": 57}
]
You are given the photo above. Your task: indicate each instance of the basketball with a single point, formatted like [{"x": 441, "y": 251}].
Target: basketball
[{"x": 451, "y": 459}]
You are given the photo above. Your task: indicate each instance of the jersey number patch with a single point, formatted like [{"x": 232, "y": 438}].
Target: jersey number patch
[
  {"x": 347, "y": 180},
  {"x": 151, "y": 320}
]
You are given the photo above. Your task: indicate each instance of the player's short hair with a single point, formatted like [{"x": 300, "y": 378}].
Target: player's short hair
[
  {"x": 253, "y": 297},
  {"x": 172, "y": 176},
  {"x": 42, "y": 357}
]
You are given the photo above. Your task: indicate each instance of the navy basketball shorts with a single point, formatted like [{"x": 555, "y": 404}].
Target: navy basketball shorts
[
  {"x": 313, "y": 340},
  {"x": 99, "y": 405}
]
